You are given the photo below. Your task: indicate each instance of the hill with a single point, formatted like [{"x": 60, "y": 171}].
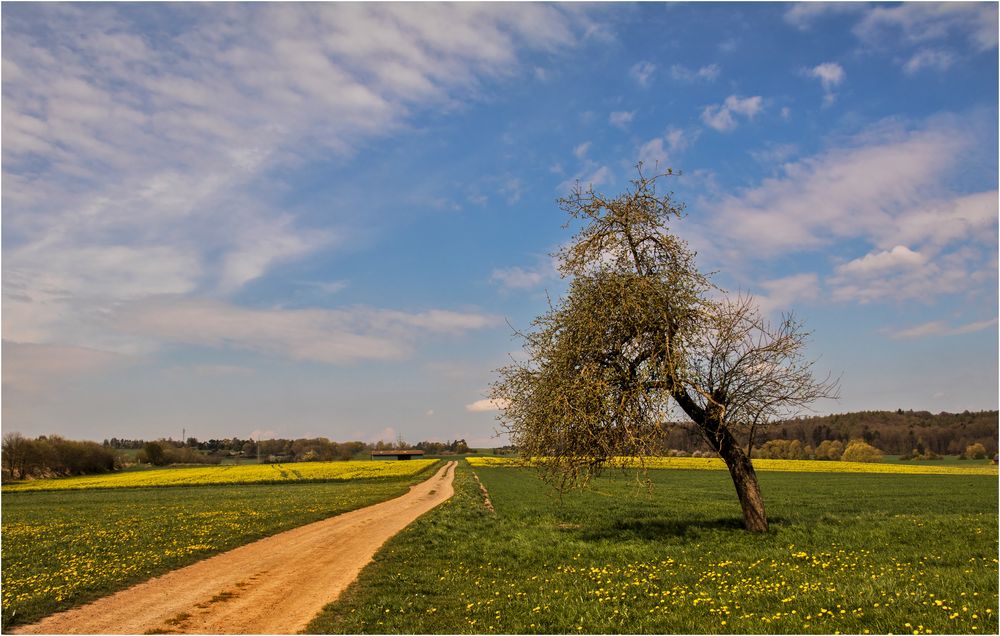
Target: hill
[{"x": 895, "y": 432}]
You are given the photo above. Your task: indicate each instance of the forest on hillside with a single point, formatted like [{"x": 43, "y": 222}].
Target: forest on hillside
[{"x": 894, "y": 432}]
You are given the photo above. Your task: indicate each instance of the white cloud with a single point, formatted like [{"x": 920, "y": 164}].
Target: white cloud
[
  {"x": 943, "y": 221},
  {"x": 621, "y": 118},
  {"x": 830, "y": 75},
  {"x": 682, "y": 73},
  {"x": 333, "y": 336},
  {"x": 517, "y": 278},
  {"x": 920, "y": 22},
  {"x": 748, "y": 106},
  {"x": 257, "y": 248},
  {"x": 910, "y": 25},
  {"x": 940, "y": 328},
  {"x": 35, "y": 367},
  {"x": 781, "y": 294},
  {"x": 911, "y": 277},
  {"x": 804, "y": 14},
  {"x": 659, "y": 151},
  {"x": 899, "y": 256},
  {"x": 774, "y": 153},
  {"x": 137, "y": 163},
  {"x": 874, "y": 188},
  {"x": 486, "y": 405},
  {"x": 653, "y": 153},
  {"x": 933, "y": 59},
  {"x": 642, "y": 72},
  {"x": 117, "y": 271},
  {"x": 581, "y": 150},
  {"x": 590, "y": 175},
  {"x": 720, "y": 116},
  {"x": 887, "y": 188}
]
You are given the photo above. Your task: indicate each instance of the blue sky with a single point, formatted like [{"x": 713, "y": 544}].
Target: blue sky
[{"x": 319, "y": 219}]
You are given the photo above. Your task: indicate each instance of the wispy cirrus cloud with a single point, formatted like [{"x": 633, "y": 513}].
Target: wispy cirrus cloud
[
  {"x": 933, "y": 59},
  {"x": 920, "y": 22},
  {"x": 35, "y": 367},
  {"x": 143, "y": 149},
  {"x": 941, "y": 328},
  {"x": 913, "y": 32},
  {"x": 333, "y": 336},
  {"x": 517, "y": 278},
  {"x": 782, "y": 294}
]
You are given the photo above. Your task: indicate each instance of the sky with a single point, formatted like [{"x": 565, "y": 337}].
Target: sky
[{"x": 288, "y": 220}]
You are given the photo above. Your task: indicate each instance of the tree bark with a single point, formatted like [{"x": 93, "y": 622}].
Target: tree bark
[
  {"x": 747, "y": 487},
  {"x": 740, "y": 468}
]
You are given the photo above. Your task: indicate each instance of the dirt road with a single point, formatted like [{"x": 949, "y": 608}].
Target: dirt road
[{"x": 272, "y": 586}]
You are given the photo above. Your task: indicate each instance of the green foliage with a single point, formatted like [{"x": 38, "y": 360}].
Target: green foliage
[
  {"x": 153, "y": 453},
  {"x": 48, "y": 456},
  {"x": 846, "y": 553},
  {"x": 635, "y": 299},
  {"x": 897, "y": 432},
  {"x": 164, "y": 453},
  {"x": 858, "y": 451},
  {"x": 638, "y": 335},
  {"x": 782, "y": 449},
  {"x": 831, "y": 450},
  {"x": 974, "y": 451},
  {"x": 61, "y": 549}
]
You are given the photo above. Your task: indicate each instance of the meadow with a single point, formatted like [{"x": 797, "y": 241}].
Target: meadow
[
  {"x": 846, "y": 553},
  {"x": 233, "y": 474},
  {"x": 780, "y": 465},
  {"x": 62, "y": 548}
]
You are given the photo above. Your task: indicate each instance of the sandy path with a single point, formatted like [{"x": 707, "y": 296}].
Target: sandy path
[{"x": 272, "y": 586}]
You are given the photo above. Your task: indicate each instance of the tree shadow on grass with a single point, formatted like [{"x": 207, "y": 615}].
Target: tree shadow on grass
[{"x": 660, "y": 528}]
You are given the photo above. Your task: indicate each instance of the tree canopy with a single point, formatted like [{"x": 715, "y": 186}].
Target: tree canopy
[{"x": 640, "y": 335}]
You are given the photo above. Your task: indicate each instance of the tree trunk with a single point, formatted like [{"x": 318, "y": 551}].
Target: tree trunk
[
  {"x": 740, "y": 469},
  {"x": 747, "y": 488}
]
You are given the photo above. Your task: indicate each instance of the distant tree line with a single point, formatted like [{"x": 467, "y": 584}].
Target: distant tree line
[
  {"x": 50, "y": 456},
  {"x": 907, "y": 433},
  {"x": 458, "y": 447},
  {"x": 53, "y": 456}
]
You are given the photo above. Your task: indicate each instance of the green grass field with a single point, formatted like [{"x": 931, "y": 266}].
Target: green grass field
[
  {"x": 63, "y": 548},
  {"x": 848, "y": 553}
]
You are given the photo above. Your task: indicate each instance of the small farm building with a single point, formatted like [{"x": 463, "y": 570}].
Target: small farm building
[{"x": 396, "y": 454}]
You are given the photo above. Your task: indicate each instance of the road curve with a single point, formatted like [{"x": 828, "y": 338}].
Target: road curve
[{"x": 272, "y": 586}]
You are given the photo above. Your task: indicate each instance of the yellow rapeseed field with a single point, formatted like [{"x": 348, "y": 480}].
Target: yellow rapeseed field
[
  {"x": 778, "y": 465},
  {"x": 245, "y": 474}
]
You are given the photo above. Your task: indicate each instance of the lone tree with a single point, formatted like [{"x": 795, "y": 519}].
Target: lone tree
[{"x": 640, "y": 334}]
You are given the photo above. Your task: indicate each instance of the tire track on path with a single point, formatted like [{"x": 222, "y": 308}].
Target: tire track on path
[{"x": 272, "y": 586}]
